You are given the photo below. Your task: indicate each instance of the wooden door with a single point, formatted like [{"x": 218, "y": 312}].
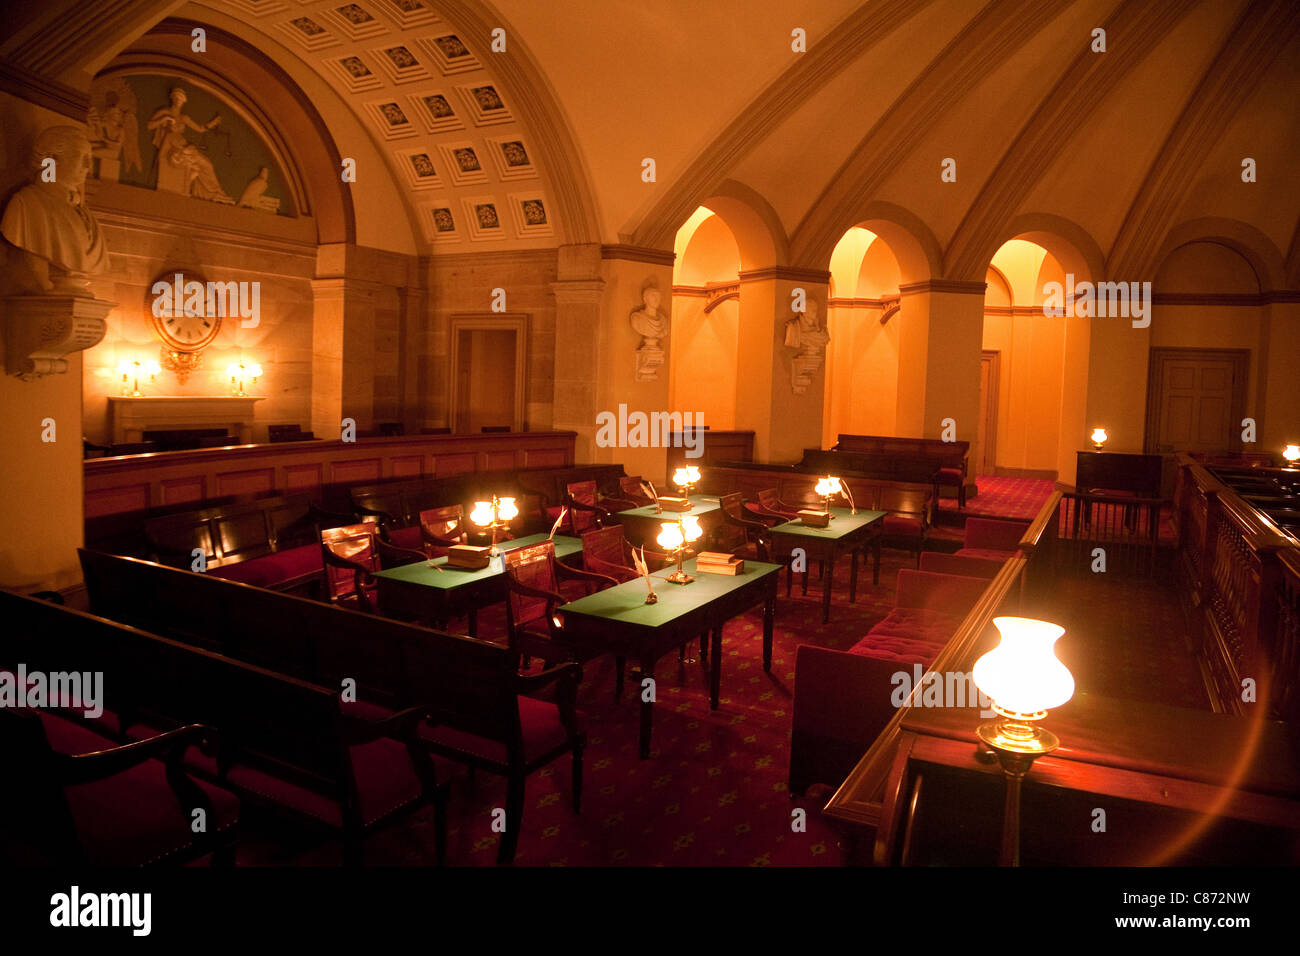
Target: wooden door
[
  {"x": 1196, "y": 399},
  {"x": 985, "y": 456}
]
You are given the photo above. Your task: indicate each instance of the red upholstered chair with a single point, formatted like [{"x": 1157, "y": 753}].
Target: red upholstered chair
[
  {"x": 585, "y": 513},
  {"x": 941, "y": 563},
  {"x": 630, "y": 489},
  {"x": 440, "y": 528},
  {"x": 606, "y": 551},
  {"x": 906, "y": 524},
  {"x": 533, "y": 577},
  {"x": 770, "y": 509},
  {"x": 77, "y": 798},
  {"x": 992, "y": 539},
  {"x": 739, "y": 534},
  {"x": 350, "y": 558},
  {"x": 949, "y": 477}
]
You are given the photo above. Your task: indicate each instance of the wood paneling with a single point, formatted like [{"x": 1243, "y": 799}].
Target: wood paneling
[{"x": 135, "y": 483}]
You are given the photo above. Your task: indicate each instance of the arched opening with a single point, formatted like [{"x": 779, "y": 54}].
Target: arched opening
[
  {"x": 862, "y": 358},
  {"x": 705, "y": 320}
]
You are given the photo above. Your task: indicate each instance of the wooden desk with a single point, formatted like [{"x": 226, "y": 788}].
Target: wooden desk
[
  {"x": 847, "y": 533},
  {"x": 641, "y": 525},
  {"x": 619, "y": 620},
  {"x": 1112, "y": 471},
  {"x": 423, "y": 591},
  {"x": 1169, "y": 761}
]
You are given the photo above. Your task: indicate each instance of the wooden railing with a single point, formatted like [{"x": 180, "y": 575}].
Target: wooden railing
[
  {"x": 1231, "y": 576},
  {"x": 1282, "y": 645},
  {"x": 857, "y": 803}
]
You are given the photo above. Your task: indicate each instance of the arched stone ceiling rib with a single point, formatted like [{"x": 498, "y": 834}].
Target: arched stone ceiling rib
[
  {"x": 1003, "y": 27},
  {"x": 1264, "y": 29},
  {"x": 1132, "y": 31},
  {"x": 859, "y": 33}
]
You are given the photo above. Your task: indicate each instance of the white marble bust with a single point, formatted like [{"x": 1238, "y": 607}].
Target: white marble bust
[
  {"x": 49, "y": 220},
  {"x": 807, "y": 333},
  {"x": 647, "y": 321}
]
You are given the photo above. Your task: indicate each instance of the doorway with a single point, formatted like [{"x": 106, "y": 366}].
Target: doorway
[
  {"x": 1196, "y": 399},
  {"x": 487, "y": 373},
  {"x": 986, "y": 438}
]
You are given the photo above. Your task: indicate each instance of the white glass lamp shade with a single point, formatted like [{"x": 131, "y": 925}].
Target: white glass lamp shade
[
  {"x": 151, "y": 368},
  {"x": 681, "y": 477},
  {"x": 1291, "y": 453},
  {"x": 1098, "y": 436},
  {"x": 506, "y": 509},
  {"x": 828, "y": 486},
  {"x": 670, "y": 536},
  {"x": 1022, "y": 674},
  {"x": 691, "y": 525},
  {"x": 692, "y": 474},
  {"x": 253, "y": 369},
  {"x": 125, "y": 368},
  {"x": 482, "y": 513},
  {"x": 232, "y": 370}
]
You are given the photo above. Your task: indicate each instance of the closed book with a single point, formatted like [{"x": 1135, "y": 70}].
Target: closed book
[
  {"x": 468, "y": 557},
  {"x": 733, "y": 568},
  {"x": 675, "y": 504},
  {"x": 815, "y": 519},
  {"x": 715, "y": 557}
]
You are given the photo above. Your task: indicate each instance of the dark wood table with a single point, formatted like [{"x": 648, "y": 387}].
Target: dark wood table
[
  {"x": 431, "y": 591},
  {"x": 618, "y": 619},
  {"x": 847, "y": 533}
]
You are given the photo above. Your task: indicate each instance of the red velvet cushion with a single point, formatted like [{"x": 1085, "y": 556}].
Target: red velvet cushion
[
  {"x": 131, "y": 818},
  {"x": 919, "y": 624},
  {"x": 107, "y": 723},
  {"x": 988, "y": 554},
  {"x": 950, "y": 473},
  {"x": 902, "y": 649},
  {"x": 897, "y": 524},
  {"x": 542, "y": 732},
  {"x": 271, "y": 570}
]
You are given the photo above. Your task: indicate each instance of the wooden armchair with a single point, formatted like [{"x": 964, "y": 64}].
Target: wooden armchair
[
  {"x": 906, "y": 525},
  {"x": 630, "y": 489},
  {"x": 533, "y": 578},
  {"x": 70, "y": 786},
  {"x": 350, "y": 559},
  {"x": 738, "y": 534},
  {"x": 440, "y": 528},
  {"x": 606, "y": 551},
  {"x": 770, "y": 509},
  {"x": 585, "y": 512}
]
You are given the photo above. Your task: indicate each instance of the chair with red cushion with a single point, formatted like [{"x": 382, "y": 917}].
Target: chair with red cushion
[
  {"x": 738, "y": 534},
  {"x": 992, "y": 539},
  {"x": 440, "y": 528},
  {"x": 949, "y": 477},
  {"x": 770, "y": 509},
  {"x": 941, "y": 563},
  {"x": 906, "y": 524},
  {"x": 585, "y": 512},
  {"x": 630, "y": 488},
  {"x": 607, "y": 551},
  {"x": 533, "y": 577},
  {"x": 351, "y": 559}
]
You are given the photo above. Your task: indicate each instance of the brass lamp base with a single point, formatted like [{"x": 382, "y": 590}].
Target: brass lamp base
[
  {"x": 1016, "y": 743},
  {"x": 679, "y": 577}
]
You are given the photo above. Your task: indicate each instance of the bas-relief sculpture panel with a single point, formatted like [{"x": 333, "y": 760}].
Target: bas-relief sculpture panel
[{"x": 165, "y": 133}]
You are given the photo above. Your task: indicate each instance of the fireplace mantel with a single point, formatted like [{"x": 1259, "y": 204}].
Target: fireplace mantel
[{"x": 129, "y": 418}]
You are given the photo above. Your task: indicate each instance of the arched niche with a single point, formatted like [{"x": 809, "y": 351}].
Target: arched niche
[{"x": 1245, "y": 240}]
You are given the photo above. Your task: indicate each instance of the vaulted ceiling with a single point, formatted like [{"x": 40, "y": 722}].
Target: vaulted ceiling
[{"x": 1122, "y": 153}]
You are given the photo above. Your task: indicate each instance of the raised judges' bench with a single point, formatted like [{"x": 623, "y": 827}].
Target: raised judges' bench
[{"x": 137, "y": 483}]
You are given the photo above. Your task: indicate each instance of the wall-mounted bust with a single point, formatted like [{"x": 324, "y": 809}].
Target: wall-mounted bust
[
  {"x": 49, "y": 219},
  {"x": 648, "y": 321},
  {"x": 807, "y": 333}
]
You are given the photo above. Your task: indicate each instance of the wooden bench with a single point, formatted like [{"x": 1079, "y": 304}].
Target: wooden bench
[
  {"x": 478, "y": 710},
  {"x": 843, "y": 699}
]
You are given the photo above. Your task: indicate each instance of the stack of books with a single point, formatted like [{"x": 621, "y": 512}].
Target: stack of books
[
  {"x": 468, "y": 557},
  {"x": 718, "y": 562},
  {"x": 817, "y": 519}
]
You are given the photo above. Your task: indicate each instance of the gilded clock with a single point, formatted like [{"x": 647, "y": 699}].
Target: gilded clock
[{"x": 184, "y": 318}]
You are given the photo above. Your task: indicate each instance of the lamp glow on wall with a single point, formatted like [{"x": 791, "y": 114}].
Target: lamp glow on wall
[
  {"x": 241, "y": 373},
  {"x": 686, "y": 479},
  {"x": 1025, "y": 680},
  {"x": 494, "y": 515},
  {"x": 1098, "y": 437},
  {"x": 674, "y": 536},
  {"x": 1291, "y": 453},
  {"x": 131, "y": 372}
]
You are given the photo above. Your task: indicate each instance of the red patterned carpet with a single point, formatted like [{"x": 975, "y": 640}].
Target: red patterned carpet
[{"x": 712, "y": 793}]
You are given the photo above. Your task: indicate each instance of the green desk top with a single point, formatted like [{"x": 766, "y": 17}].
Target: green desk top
[
  {"x": 842, "y": 524},
  {"x": 420, "y": 572},
  {"x": 626, "y": 602},
  {"x": 702, "y": 505}
]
